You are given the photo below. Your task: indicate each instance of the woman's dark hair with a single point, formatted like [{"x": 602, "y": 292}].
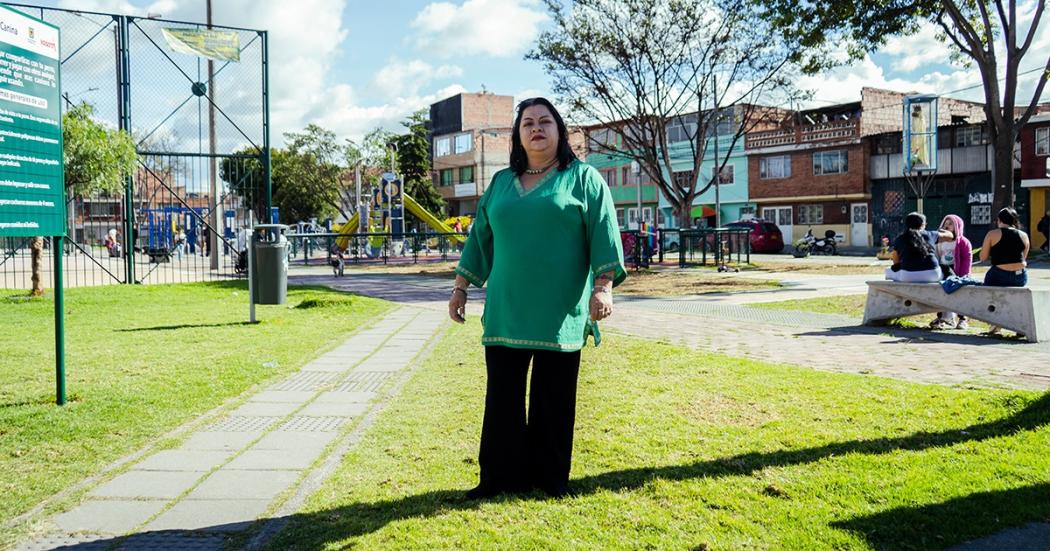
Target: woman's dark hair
[
  {"x": 518, "y": 161},
  {"x": 915, "y": 241},
  {"x": 1009, "y": 217}
]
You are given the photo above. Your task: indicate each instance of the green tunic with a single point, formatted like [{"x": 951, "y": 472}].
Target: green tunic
[{"x": 539, "y": 252}]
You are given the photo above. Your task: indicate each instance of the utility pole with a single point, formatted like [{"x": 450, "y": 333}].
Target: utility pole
[
  {"x": 213, "y": 235},
  {"x": 717, "y": 169}
]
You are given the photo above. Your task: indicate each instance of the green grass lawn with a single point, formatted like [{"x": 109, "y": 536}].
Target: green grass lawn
[
  {"x": 682, "y": 449},
  {"x": 141, "y": 360}
]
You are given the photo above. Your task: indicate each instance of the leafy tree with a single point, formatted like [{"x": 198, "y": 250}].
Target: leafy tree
[
  {"x": 291, "y": 192},
  {"x": 413, "y": 162},
  {"x": 983, "y": 33},
  {"x": 637, "y": 66},
  {"x": 96, "y": 159}
]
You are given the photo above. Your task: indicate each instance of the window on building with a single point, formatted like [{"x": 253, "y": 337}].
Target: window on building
[
  {"x": 810, "y": 214},
  {"x": 442, "y": 146},
  {"x": 966, "y": 136},
  {"x": 727, "y": 177},
  {"x": 683, "y": 179},
  {"x": 747, "y": 213},
  {"x": 619, "y": 217},
  {"x": 610, "y": 176},
  {"x": 980, "y": 214},
  {"x": 466, "y": 174},
  {"x": 831, "y": 162},
  {"x": 681, "y": 129},
  {"x": 446, "y": 177},
  {"x": 601, "y": 140},
  {"x": 647, "y": 215},
  {"x": 1042, "y": 141},
  {"x": 774, "y": 167},
  {"x": 625, "y": 176},
  {"x": 464, "y": 143}
]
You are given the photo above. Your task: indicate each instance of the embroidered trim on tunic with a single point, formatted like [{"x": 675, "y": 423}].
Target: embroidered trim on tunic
[
  {"x": 477, "y": 281},
  {"x": 525, "y": 342},
  {"x": 605, "y": 267}
]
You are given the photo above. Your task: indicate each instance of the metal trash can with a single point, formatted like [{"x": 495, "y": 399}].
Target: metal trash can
[{"x": 269, "y": 264}]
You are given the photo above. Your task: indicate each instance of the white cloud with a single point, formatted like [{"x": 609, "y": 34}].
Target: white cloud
[
  {"x": 305, "y": 40},
  {"x": 843, "y": 85},
  {"x": 400, "y": 79},
  {"x": 498, "y": 28},
  {"x": 917, "y": 50},
  {"x": 351, "y": 120}
]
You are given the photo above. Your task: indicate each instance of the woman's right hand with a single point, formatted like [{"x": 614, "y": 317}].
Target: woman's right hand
[{"x": 457, "y": 306}]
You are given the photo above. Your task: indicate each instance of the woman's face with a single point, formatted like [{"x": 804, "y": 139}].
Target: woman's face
[
  {"x": 538, "y": 131},
  {"x": 948, "y": 225}
]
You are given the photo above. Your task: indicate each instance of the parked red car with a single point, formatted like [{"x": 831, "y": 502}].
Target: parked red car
[{"x": 765, "y": 235}]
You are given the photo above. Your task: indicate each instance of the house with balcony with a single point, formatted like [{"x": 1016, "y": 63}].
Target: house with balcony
[
  {"x": 470, "y": 141},
  {"x": 962, "y": 184},
  {"x": 630, "y": 189},
  {"x": 813, "y": 170}
]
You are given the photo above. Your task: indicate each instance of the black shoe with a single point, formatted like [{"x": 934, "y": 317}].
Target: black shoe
[{"x": 482, "y": 491}]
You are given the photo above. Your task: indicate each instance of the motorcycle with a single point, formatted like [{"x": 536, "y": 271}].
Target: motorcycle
[{"x": 809, "y": 244}]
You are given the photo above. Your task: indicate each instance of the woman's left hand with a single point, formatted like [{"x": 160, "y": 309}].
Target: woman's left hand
[{"x": 601, "y": 305}]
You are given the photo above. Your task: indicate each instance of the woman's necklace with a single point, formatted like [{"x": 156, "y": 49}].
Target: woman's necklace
[{"x": 541, "y": 170}]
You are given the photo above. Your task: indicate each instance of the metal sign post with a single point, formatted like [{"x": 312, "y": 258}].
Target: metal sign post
[{"x": 32, "y": 181}]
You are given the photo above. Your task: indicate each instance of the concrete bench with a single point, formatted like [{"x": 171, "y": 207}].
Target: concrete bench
[{"x": 1019, "y": 309}]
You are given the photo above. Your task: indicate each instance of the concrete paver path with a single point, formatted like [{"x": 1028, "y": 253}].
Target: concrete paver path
[{"x": 246, "y": 462}]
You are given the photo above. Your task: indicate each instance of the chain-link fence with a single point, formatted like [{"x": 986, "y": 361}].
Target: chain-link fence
[{"x": 201, "y": 129}]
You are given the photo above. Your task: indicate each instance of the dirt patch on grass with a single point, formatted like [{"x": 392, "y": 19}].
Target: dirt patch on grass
[
  {"x": 689, "y": 282},
  {"x": 718, "y": 409}
]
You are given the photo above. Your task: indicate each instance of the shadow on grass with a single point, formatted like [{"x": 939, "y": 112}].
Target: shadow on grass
[
  {"x": 916, "y": 335},
  {"x": 938, "y": 524},
  {"x": 961, "y": 519},
  {"x": 184, "y": 326}
]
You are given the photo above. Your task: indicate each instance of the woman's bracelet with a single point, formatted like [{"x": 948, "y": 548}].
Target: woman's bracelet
[
  {"x": 602, "y": 289},
  {"x": 460, "y": 289}
]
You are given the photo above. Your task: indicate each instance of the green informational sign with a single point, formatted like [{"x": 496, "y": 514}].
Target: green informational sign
[{"x": 32, "y": 188}]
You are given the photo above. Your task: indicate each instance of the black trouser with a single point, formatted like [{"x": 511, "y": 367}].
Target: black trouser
[{"x": 517, "y": 454}]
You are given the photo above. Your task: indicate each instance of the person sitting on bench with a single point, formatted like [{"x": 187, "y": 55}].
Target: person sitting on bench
[{"x": 915, "y": 252}]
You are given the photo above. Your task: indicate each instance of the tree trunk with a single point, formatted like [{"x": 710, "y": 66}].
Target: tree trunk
[
  {"x": 1002, "y": 174},
  {"x": 36, "y": 246}
]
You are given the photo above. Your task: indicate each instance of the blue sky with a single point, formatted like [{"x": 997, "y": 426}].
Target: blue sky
[{"x": 353, "y": 65}]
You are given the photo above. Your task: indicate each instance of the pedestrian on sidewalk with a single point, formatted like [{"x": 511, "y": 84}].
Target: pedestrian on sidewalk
[
  {"x": 956, "y": 258},
  {"x": 546, "y": 241},
  {"x": 1044, "y": 228}
]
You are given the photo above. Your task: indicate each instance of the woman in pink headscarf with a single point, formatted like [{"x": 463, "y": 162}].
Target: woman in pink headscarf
[{"x": 955, "y": 256}]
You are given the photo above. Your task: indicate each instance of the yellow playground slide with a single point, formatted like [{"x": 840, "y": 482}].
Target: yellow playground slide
[
  {"x": 411, "y": 206},
  {"x": 428, "y": 218}
]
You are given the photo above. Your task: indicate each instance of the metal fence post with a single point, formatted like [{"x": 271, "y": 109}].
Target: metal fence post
[
  {"x": 265, "y": 35},
  {"x": 124, "y": 116}
]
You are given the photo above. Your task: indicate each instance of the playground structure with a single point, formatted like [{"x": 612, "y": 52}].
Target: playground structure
[{"x": 386, "y": 222}]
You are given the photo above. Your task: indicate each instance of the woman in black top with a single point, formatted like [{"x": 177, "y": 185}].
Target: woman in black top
[{"x": 1007, "y": 248}]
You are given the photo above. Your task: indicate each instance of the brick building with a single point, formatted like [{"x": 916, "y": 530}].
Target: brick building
[
  {"x": 470, "y": 141},
  {"x": 813, "y": 171}
]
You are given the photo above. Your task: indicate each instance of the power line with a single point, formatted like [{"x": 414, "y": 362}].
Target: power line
[{"x": 901, "y": 104}]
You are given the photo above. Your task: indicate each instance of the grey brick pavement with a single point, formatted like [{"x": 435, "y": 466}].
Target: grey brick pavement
[
  {"x": 229, "y": 473},
  {"x": 820, "y": 341}
]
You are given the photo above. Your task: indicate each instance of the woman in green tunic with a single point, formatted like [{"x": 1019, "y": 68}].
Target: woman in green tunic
[{"x": 546, "y": 241}]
